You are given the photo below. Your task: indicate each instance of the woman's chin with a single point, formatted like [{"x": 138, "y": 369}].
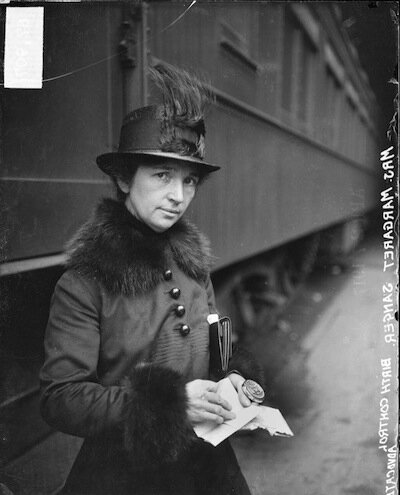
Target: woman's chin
[{"x": 163, "y": 224}]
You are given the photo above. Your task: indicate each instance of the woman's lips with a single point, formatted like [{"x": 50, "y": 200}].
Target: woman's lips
[{"x": 170, "y": 212}]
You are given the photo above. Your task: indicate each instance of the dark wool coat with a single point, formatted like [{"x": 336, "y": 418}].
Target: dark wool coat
[{"x": 117, "y": 359}]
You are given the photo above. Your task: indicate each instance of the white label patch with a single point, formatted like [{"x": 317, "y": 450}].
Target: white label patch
[{"x": 23, "y": 58}]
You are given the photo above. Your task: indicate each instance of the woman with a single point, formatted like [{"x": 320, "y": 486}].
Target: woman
[{"x": 127, "y": 343}]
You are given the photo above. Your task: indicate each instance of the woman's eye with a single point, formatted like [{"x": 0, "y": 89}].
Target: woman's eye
[
  {"x": 162, "y": 175},
  {"x": 192, "y": 181}
]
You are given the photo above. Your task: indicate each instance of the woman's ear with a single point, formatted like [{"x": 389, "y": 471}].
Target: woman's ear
[{"x": 123, "y": 185}]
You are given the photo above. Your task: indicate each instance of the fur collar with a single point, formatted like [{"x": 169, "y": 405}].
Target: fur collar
[{"x": 127, "y": 257}]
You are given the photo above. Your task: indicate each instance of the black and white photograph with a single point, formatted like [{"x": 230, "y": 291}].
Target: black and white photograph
[{"x": 199, "y": 247}]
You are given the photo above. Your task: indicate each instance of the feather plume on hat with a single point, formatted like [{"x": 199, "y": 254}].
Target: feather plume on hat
[{"x": 184, "y": 101}]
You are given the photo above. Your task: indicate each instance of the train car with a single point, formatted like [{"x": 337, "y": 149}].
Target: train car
[{"x": 293, "y": 129}]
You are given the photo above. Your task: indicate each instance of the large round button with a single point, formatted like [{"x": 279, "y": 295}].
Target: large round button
[
  {"x": 180, "y": 310},
  {"x": 175, "y": 293},
  {"x": 184, "y": 329},
  {"x": 167, "y": 275}
]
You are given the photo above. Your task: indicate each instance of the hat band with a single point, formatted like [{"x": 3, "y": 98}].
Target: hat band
[{"x": 144, "y": 130}]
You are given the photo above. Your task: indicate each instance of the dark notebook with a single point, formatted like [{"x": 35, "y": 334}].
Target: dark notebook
[{"x": 220, "y": 345}]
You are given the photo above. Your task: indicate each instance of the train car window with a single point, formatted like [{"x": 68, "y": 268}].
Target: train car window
[
  {"x": 298, "y": 74},
  {"x": 237, "y": 66},
  {"x": 332, "y": 96},
  {"x": 237, "y": 46},
  {"x": 366, "y": 139},
  {"x": 356, "y": 148},
  {"x": 270, "y": 37},
  {"x": 240, "y": 19},
  {"x": 363, "y": 139},
  {"x": 352, "y": 134},
  {"x": 302, "y": 82},
  {"x": 321, "y": 111},
  {"x": 287, "y": 64},
  {"x": 344, "y": 119},
  {"x": 306, "y": 66},
  {"x": 348, "y": 128}
]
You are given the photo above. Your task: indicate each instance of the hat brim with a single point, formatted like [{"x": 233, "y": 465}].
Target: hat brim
[{"x": 111, "y": 163}]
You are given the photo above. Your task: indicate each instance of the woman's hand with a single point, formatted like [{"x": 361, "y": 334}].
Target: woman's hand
[
  {"x": 237, "y": 381},
  {"x": 205, "y": 404}
]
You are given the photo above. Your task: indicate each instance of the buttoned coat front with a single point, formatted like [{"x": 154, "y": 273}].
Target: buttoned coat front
[{"x": 127, "y": 330}]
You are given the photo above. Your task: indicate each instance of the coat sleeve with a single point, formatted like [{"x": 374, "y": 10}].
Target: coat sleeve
[
  {"x": 72, "y": 400},
  {"x": 246, "y": 364},
  {"x": 157, "y": 428}
]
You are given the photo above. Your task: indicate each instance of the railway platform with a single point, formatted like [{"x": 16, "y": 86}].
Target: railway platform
[{"x": 331, "y": 390}]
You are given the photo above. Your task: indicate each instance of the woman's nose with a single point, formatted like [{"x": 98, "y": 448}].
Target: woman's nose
[{"x": 176, "y": 193}]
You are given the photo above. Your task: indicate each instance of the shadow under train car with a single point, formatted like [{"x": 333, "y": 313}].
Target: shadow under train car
[{"x": 25, "y": 299}]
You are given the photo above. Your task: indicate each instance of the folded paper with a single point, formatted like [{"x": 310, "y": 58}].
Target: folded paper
[
  {"x": 270, "y": 419},
  {"x": 247, "y": 418}
]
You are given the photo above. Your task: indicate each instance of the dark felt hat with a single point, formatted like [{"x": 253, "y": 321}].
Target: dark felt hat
[{"x": 147, "y": 132}]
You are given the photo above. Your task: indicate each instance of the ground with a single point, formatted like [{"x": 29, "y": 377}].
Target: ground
[{"x": 329, "y": 389}]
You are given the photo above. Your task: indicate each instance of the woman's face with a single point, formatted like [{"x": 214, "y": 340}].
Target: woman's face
[{"x": 160, "y": 193}]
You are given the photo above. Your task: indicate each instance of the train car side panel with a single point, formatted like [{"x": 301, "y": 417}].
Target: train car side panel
[{"x": 52, "y": 136}]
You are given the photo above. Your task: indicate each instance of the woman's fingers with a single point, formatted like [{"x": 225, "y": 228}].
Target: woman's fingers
[
  {"x": 207, "y": 416},
  {"x": 215, "y": 398},
  {"x": 237, "y": 381},
  {"x": 210, "y": 385},
  {"x": 218, "y": 410},
  {"x": 205, "y": 404},
  {"x": 200, "y": 387},
  {"x": 200, "y": 411},
  {"x": 242, "y": 398}
]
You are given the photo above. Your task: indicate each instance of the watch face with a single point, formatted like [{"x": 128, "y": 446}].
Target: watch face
[{"x": 253, "y": 390}]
